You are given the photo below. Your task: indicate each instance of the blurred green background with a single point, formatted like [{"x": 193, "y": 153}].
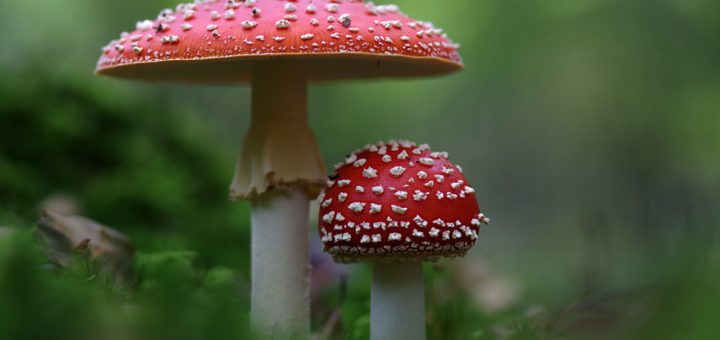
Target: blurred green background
[{"x": 590, "y": 128}]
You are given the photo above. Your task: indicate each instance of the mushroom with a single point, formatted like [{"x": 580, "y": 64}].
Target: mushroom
[
  {"x": 397, "y": 205},
  {"x": 278, "y": 47}
]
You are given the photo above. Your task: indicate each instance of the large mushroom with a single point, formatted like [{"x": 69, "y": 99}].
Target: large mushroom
[
  {"x": 279, "y": 46},
  {"x": 397, "y": 205}
]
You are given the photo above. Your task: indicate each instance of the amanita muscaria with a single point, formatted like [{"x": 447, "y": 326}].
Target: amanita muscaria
[
  {"x": 278, "y": 47},
  {"x": 397, "y": 205}
]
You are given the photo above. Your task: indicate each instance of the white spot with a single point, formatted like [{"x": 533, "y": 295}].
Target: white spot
[
  {"x": 357, "y": 206},
  {"x": 186, "y": 26},
  {"x": 229, "y": 14},
  {"x": 343, "y": 182},
  {"x": 365, "y": 239},
  {"x": 369, "y": 172},
  {"x": 468, "y": 190},
  {"x": 332, "y": 8},
  {"x": 439, "y": 195},
  {"x": 247, "y": 24},
  {"x": 394, "y": 237},
  {"x": 310, "y": 8},
  {"x": 345, "y": 20},
  {"x": 329, "y": 217},
  {"x": 307, "y": 36},
  {"x": 429, "y": 184},
  {"x": 282, "y": 24},
  {"x": 422, "y": 174},
  {"x": 326, "y": 203},
  {"x": 447, "y": 170},
  {"x": 420, "y": 196},
  {"x": 439, "y": 154},
  {"x": 342, "y": 196},
  {"x": 398, "y": 209},
  {"x": 211, "y": 27},
  {"x": 375, "y": 208},
  {"x": 256, "y": 12},
  {"x": 418, "y": 233},
  {"x": 434, "y": 232},
  {"x": 351, "y": 159},
  {"x": 378, "y": 189},
  {"x": 169, "y": 39},
  {"x": 456, "y": 185},
  {"x": 359, "y": 189},
  {"x": 360, "y": 162},
  {"x": 401, "y": 195},
  {"x": 456, "y": 234},
  {"x": 339, "y": 217},
  {"x": 290, "y": 8},
  {"x": 440, "y": 178},
  {"x": 397, "y": 171},
  {"x": 279, "y": 39},
  {"x": 214, "y": 15},
  {"x": 314, "y": 22},
  {"x": 403, "y": 155},
  {"x": 144, "y": 25},
  {"x": 420, "y": 221},
  {"x": 377, "y": 238},
  {"x": 137, "y": 49},
  {"x": 426, "y": 161},
  {"x": 260, "y": 38},
  {"x": 386, "y": 158}
]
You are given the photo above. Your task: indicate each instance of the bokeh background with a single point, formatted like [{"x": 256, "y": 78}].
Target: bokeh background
[{"x": 591, "y": 129}]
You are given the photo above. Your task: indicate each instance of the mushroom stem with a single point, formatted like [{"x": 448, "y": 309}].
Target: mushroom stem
[
  {"x": 397, "y": 307},
  {"x": 280, "y": 307},
  {"x": 279, "y": 149},
  {"x": 280, "y": 170}
]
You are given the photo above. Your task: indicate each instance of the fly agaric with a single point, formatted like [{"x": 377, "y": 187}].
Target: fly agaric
[
  {"x": 397, "y": 205},
  {"x": 278, "y": 47}
]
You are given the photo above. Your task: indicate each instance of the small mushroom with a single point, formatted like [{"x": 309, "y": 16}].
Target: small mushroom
[
  {"x": 278, "y": 49},
  {"x": 399, "y": 227}
]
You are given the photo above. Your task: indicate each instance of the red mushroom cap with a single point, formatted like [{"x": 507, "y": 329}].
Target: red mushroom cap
[
  {"x": 398, "y": 201},
  {"x": 216, "y": 41}
]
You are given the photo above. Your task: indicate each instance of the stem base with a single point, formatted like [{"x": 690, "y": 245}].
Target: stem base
[
  {"x": 397, "y": 303},
  {"x": 280, "y": 307}
]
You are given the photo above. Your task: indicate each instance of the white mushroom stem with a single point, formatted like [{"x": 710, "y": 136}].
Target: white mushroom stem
[
  {"x": 397, "y": 302},
  {"x": 279, "y": 150},
  {"x": 280, "y": 308},
  {"x": 280, "y": 170}
]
